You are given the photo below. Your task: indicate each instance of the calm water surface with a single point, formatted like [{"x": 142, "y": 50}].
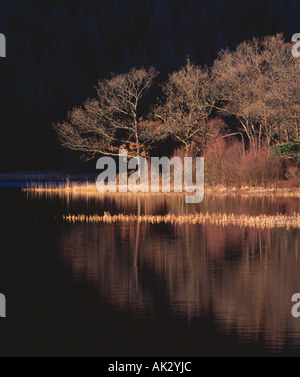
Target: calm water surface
[{"x": 128, "y": 289}]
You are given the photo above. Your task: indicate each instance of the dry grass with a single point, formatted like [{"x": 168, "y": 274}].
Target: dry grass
[
  {"x": 64, "y": 186},
  {"x": 221, "y": 219},
  {"x": 254, "y": 191},
  {"x": 90, "y": 187}
]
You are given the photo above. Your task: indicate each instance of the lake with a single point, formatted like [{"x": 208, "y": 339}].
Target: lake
[{"x": 140, "y": 289}]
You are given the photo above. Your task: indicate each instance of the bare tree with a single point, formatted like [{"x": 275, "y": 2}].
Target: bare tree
[
  {"x": 259, "y": 84},
  {"x": 188, "y": 102},
  {"x": 237, "y": 84},
  {"x": 110, "y": 121},
  {"x": 286, "y": 95}
]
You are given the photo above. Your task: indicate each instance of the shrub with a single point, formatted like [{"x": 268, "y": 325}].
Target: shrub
[
  {"x": 226, "y": 163},
  {"x": 290, "y": 150}
]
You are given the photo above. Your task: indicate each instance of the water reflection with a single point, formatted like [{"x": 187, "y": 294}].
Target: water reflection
[
  {"x": 174, "y": 203},
  {"x": 243, "y": 278}
]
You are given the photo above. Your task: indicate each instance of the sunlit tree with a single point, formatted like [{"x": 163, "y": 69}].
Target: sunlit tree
[
  {"x": 110, "y": 121},
  {"x": 188, "y": 102}
]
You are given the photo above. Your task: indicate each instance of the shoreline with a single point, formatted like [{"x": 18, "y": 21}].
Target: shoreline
[
  {"x": 55, "y": 181},
  {"x": 90, "y": 188}
]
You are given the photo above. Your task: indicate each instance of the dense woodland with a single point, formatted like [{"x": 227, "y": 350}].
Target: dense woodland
[{"x": 57, "y": 51}]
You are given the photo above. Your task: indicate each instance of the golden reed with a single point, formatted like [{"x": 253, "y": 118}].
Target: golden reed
[
  {"x": 89, "y": 187},
  {"x": 260, "y": 221}
]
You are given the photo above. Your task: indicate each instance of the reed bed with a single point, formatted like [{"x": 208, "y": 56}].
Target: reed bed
[
  {"x": 66, "y": 186},
  {"x": 254, "y": 191},
  {"x": 221, "y": 219},
  {"x": 70, "y": 187}
]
